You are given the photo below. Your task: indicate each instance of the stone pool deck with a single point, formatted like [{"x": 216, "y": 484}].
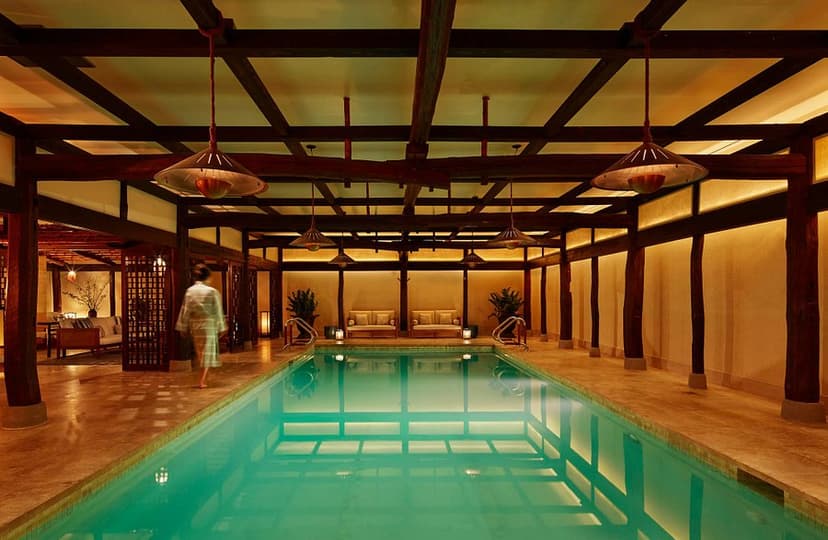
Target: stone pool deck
[{"x": 100, "y": 416}]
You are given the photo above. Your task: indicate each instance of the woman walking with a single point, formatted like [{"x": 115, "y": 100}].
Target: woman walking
[{"x": 202, "y": 317}]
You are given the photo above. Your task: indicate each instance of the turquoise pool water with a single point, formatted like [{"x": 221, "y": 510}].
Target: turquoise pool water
[{"x": 420, "y": 446}]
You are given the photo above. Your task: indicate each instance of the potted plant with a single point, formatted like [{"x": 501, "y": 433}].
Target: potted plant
[
  {"x": 302, "y": 304},
  {"x": 506, "y": 303},
  {"x": 89, "y": 293}
]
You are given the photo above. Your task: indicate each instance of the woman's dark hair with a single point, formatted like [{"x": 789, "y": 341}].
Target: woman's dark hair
[{"x": 201, "y": 272}]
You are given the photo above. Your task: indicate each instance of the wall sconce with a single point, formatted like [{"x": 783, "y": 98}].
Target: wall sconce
[
  {"x": 339, "y": 334},
  {"x": 467, "y": 333},
  {"x": 264, "y": 324}
]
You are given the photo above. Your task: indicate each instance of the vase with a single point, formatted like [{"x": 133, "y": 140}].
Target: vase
[{"x": 93, "y": 313}]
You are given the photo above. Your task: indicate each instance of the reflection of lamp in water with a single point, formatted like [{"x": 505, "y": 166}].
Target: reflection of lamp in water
[
  {"x": 466, "y": 356},
  {"x": 339, "y": 357},
  {"x": 472, "y": 473},
  {"x": 162, "y": 476}
]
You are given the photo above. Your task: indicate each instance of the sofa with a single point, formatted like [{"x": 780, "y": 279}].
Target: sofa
[
  {"x": 94, "y": 333},
  {"x": 372, "y": 323},
  {"x": 435, "y": 323}
]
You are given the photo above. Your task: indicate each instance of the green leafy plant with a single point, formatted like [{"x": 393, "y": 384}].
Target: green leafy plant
[
  {"x": 302, "y": 304},
  {"x": 89, "y": 292},
  {"x": 506, "y": 303}
]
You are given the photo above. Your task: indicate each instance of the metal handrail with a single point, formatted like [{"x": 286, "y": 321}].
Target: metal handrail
[
  {"x": 301, "y": 323},
  {"x": 519, "y": 328}
]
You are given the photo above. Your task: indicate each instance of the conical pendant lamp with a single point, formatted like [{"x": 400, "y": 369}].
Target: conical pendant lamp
[
  {"x": 649, "y": 166},
  {"x": 511, "y": 237},
  {"x": 211, "y": 172},
  {"x": 342, "y": 259},
  {"x": 312, "y": 239},
  {"x": 472, "y": 259}
]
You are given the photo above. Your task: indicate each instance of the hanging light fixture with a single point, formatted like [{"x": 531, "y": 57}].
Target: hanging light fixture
[
  {"x": 72, "y": 274},
  {"x": 342, "y": 259},
  {"x": 649, "y": 166},
  {"x": 211, "y": 172},
  {"x": 312, "y": 239},
  {"x": 472, "y": 259},
  {"x": 511, "y": 237}
]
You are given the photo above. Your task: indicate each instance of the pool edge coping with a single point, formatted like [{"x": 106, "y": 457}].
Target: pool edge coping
[{"x": 30, "y": 520}]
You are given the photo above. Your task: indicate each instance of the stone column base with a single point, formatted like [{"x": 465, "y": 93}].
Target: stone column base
[
  {"x": 544, "y": 338},
  {"x": 800, "y": 411},
  {"x": 181, "y": 365},
  {"x": 595, "y": 352},
  {"x": 23, "y": 416},
  {"x": 697, "y": 380},
  {"x": 635, "y": 363},
  {"x": 248, "y": 346},
  {"x": 565, "y": 344}
]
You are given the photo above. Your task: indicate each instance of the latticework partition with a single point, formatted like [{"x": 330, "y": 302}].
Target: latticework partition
[
  {"x": 234, "y": 273},
  {"x": 253, "y": 304},
  {"x": 275, "y": 305},
  {"x": 3, "y": 273},
  {"x": 147, "y": 288}
]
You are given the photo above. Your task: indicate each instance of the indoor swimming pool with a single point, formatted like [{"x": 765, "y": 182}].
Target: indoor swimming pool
[{"x": 379, "y": 444}]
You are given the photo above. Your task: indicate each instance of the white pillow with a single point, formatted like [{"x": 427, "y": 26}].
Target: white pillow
[
  {"x": 456, "y": 322},
  {"x": 383, "y": 318},
  {"x": 415, "y": 322},
  {"x": 362, "y": 319},
  {"x": 444, "y": 318},
  {"x": 426, "y": 318},
  {"x": 393, "y": 322},
  {"x": 350, "y": 322}
]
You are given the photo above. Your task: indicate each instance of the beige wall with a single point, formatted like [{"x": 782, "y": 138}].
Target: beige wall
[
  {"x": 371, "y": 290},
  {"x": 579, "y": 287},
  {"x": 324, "y": 286},
  {"x": 483, "y": 282},
  {"x": 435, "y": 290},
  {"x": 611, "y": 303},
  {"x": 70, "y": 304},
  {"x": 101, "y": 196}
]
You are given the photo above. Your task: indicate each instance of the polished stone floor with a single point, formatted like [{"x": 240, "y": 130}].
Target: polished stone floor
[{"x": 99, "y": 416}]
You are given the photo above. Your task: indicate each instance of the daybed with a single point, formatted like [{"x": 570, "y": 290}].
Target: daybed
[
  {"x": 93, "y": 333},
  {"x": 374, "y": 323},
  {"x": 435, "y": 323}
]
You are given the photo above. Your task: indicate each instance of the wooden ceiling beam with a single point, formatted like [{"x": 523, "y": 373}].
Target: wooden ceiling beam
[
  {"x": 485, "y": 221},
  {"x": 571, "y": 167},
  {"x": 688, "y": 132},
  {"x": 96, "y": 257},
  {"x": 652, "y": 17},
  {"x": 261, "y": 202},
  {"x": 394, "y": 245},
  {"x": 403, "y": 42}
]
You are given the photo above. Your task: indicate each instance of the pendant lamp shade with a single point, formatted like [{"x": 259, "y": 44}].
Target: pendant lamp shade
[
  {"x": 210, "y": 172},
  {"x": 472, "y": 259},
  {"x": 648, "y": 167},
  {"x": 342, "y": 260},
  {"x": 511, "y": 238},
  {"x": 312, "y": 239}
]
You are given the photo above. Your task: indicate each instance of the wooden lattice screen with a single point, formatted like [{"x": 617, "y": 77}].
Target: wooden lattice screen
[
  {"x": 234, "y": 273},
  {"x": 2, "y": 281},
  {"x": 147, "y": 324},
  {"x": 253, "y": 306},
  {"x": 275, "y": 306}
]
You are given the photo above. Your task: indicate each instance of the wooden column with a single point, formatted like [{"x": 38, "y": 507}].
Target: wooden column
[
  {"x": 565, "y": 340},
  {"x": 595, "y": 343},
  {"x": 57, "y": 293},
  {"x": 802, "y": 384},
  {"x": 181, "y": 272},
  {"x": 527, "y": 290},
  {"x": 244, "y": 298},
  {"x": 543, "y": 328},
  {"x": 404, "y": 291},
  {"x": 340, "y": 300},
  {"x": 697, "y": 377},
  {"x": 24, "y": 405},
  {"x": 123, "y": 199},
  {"x": 633, "y": 297},
  {"x": 276, "y": 291},
  {"x": 111, "y": 293},
  {"x": 465, "y": 292}
]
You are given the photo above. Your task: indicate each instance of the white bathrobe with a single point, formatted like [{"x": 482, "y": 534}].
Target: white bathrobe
[{"x": 202, "y": 317}]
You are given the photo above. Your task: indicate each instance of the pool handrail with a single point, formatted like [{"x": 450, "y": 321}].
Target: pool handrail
[
  {"x": 301, "y": 323},
  {"x": 519, "y": 329}
]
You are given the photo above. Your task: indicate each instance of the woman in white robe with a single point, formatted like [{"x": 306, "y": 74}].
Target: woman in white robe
[{"x": 202, "y": 318}]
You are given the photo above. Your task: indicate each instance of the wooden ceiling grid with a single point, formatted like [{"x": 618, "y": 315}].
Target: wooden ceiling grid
[{"x": 64, "y": 53}]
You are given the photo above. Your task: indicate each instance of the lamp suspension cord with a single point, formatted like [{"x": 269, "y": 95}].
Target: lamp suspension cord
[
  {"x": 211, "y": 36},
  {"x": 647, "y": 136}
]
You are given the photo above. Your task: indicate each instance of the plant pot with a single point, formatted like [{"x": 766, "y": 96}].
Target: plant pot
[{"x": 93, "y": 313}]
